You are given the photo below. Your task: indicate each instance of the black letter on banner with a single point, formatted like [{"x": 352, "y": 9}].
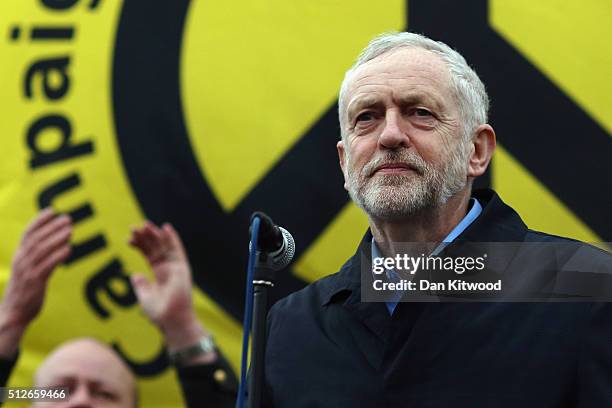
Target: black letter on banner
[
  {"x": 47, "y": 68},
  {"x": 148, "y": 369},
  {"x": 46, "y": 199},
  {"x": 102, "y": 280},
  {"x": 64, "y": 151},
  {"x": 82, "y": 249},
  {"x": 59, "y": 4},
  {"x": 66, "y": 4},
  {"x": 48, "y": 195}
]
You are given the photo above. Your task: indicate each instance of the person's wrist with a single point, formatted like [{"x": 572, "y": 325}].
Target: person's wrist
[
  {"x": 11, "y": 319},
  {"x": 12, "y": 328},
  {"x": 182, "y": 332},
  {"x": 202, "y": 352}
]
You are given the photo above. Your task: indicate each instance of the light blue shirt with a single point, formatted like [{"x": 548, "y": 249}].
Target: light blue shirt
[{"x": 472, "y": 214}]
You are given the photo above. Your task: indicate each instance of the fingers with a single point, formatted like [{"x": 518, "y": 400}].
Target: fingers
[
  {"x": 157, "y": 243},
  {"x": 173, "y": 240},
  {"x": 41, "y": 219},
  {"x": 154, "y": 240},
  {"x": 48, "y": 263},
  {"x": 44, "y": 246},
  {"x": 43, "y": 232},
  {"x": 39, "y": 250},
  {"x": 146, "y": 238},
  {"x": 138, "y": 241}
]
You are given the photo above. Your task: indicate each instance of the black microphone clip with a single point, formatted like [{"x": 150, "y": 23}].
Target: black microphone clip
[
  {"x": 275, "y": 246},
  {"x": 270, "y": 237}
]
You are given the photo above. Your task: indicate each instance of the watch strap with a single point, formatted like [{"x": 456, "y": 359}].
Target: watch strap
[{"x": 183, "y": 355}]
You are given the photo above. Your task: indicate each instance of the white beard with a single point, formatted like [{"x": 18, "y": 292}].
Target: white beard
[{"x": 392, "y": 196}]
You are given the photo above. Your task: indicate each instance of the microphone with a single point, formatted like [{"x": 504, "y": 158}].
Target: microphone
[
  {"x": 275, "y": 245},
  {"x": 274, "y": 250}
]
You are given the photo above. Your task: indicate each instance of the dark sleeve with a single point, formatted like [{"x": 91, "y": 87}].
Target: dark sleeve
[
  {"x": 595, "y": 366},
  {"x": 209, "y": 385},
  {"x": 6, "y": 367}
]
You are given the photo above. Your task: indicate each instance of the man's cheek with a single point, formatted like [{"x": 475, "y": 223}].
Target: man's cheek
[{"x": 450, "y": 133}]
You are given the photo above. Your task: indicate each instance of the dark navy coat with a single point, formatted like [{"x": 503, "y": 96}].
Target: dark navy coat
[{"x": 326, "y": 348}]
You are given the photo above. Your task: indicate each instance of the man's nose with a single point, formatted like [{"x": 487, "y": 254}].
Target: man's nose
[
  {"x": 80, "y": 398},
  {"x": 394, "y": 133}
]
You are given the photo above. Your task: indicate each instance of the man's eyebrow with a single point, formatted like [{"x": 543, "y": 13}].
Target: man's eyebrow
[
  {"x": 366, "y": 101},
  {"x": 370, "y": 101},
  {"x": 416, "y": 99},
  {"x": 63, "y": 377}
]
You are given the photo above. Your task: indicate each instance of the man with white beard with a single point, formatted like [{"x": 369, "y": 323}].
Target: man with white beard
[{"x": 413, "y": 118}]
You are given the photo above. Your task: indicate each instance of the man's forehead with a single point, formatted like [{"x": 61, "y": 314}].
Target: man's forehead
[
  {"x": 67, "y": 377},
  {"x": 410, "y": 57},
  {"x": 86, "y": 360},
  {"x": 414, "y": 66},
  {"x": 68, "y": 374}
]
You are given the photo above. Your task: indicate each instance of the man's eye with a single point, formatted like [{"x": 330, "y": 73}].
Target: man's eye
[
  {"x": 104, "y": 394},
  {"x": 422, "y": 112},
  {"x": 365, "y": 116}
]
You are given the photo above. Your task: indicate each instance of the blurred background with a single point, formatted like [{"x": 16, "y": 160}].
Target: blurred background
[{"x": 200, "y": 112}]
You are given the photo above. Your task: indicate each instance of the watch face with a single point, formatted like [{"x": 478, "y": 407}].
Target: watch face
[{"x": 207, "y": 344}]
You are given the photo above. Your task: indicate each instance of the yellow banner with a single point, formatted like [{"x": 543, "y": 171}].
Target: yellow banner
[{"x": 182, "y": 111}]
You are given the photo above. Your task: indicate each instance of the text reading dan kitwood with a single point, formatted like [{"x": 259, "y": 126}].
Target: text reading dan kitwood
[{"x": 401, "y": 264}]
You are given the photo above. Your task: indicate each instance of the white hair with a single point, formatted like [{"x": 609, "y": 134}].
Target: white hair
[{"x": 467, "y": 88}]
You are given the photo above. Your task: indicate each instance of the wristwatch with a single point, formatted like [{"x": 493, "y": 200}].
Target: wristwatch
[{"x": 183, "y": 355}]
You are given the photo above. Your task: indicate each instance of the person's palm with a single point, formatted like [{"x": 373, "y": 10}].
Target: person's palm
[
  {"x": 167, "y": 300},
  {"x": 45, "y": 245}
]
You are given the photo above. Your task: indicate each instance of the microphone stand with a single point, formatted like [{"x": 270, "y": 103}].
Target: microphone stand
[{"x": 262, "y": 282}]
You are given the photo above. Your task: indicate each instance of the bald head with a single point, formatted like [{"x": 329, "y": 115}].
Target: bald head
[{"x": 93, "y": 373}]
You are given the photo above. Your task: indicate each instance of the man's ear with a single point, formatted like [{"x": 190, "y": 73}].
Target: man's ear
[
  {"x": 483, "y": 145},
  {"x": 342, "y": 157}
]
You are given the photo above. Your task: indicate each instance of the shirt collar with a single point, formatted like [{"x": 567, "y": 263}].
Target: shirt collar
[
  {"x": 471, "y": 215},
  {"x": 497, "y": 222}
]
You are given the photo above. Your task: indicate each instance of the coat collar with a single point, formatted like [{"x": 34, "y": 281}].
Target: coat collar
[{"x": 498, "y": 222}]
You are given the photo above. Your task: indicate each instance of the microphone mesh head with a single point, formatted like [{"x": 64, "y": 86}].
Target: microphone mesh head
[{"x": 284, "y": 258}]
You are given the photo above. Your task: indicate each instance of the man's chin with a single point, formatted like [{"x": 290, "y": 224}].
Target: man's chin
[
  {"x": 379, "y": 180},
  {"x": 396, "y": 190},
  {"x": 392, "y": 203},
  {"x": 390, "y": 211}
]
